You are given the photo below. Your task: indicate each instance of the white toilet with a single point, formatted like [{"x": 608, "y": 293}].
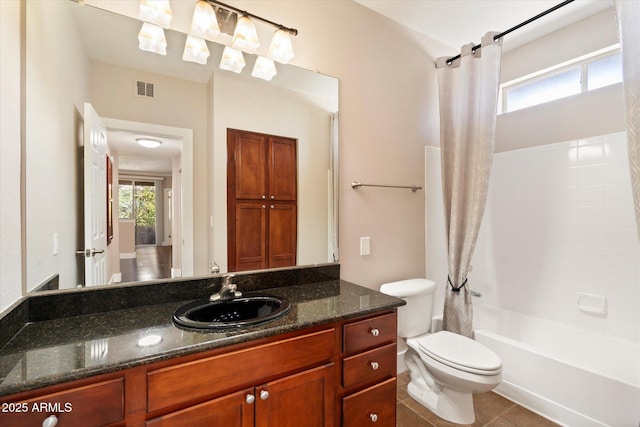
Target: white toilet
[{"x": 446, "y": 368}]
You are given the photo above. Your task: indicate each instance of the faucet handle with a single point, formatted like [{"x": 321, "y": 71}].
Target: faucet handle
[{"x": 227, "y": 279}]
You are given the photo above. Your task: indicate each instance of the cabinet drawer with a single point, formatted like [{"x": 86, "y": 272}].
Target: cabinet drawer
[
  {"x": 369, "y": 366},
  {"x": 369, "y": 333},
  {"x": 374, "y": 406},
  {"x": 97, "y": 404},
  {"x": 199, "y": 379}
]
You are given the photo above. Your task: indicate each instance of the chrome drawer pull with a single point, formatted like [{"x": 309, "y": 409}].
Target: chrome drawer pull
[
  {"x": 373, "y": 418},
  {"x": 374, "y": 365},
  {"x": 375, "y": 332}
]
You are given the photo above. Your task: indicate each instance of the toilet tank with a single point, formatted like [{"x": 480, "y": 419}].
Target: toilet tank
[{"x": 414, "y": 318}]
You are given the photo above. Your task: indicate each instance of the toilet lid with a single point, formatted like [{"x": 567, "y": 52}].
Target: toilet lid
[
  {"x": 460, "y": 352},
  {"x": 408, "y": 288}
]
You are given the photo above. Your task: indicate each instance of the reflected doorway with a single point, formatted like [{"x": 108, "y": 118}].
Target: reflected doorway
[{"x": 138, "y": 203}]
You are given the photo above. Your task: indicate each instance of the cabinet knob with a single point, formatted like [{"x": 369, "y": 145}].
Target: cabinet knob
[
  {"x": 264, "y": 395},
  {"x": 50, "y": 421},
  {"x": 264, "y": 206},
  {"x": 272, "y": 206},
  {"x": 250, "y": 398},
  {"x": 375, "y": 365},
  {"x": 375, "y": 332},
  {"x": 373, "y": 418},
  {"x": 273, "y": 197},
  {"x": 264, "y": 197}
]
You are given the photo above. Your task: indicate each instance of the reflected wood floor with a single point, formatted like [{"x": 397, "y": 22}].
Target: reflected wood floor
[
  {"x": 150, "y": 263},
  {"x": 492, "y": 410}
]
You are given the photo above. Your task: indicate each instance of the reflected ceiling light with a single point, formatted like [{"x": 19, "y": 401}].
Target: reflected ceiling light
[
  {"x": 151, "y": 39},
  {"x": 149, "y": 142},
  {"x": 156, "y": 12},
  {"x": 264, "y": 68},
  {"x": 245, "y": 36},
  {"x": 280, "y": 48},
  {"x": 149, "y": 340},
  {"x": 232, "y": 60},
  {"x": 195, "y": 50},
  {"x": 204, "y": 23}
]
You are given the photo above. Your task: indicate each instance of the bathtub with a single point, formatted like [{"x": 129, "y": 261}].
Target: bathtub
[{"x": 573, "y": 377}]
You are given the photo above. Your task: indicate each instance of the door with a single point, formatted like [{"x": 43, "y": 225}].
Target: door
[
  {"x": 95, "y": 198},
  {"x": 300, "y": 400}
]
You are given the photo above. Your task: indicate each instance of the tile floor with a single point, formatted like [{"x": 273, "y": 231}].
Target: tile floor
[{"x": 492, "y": 410}]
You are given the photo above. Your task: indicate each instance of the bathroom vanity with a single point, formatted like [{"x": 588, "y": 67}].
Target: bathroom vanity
[{"x": 330, "y": 361}]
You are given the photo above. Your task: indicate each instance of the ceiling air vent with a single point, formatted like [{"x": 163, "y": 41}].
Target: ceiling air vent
[{"x": 145, "y": 89}]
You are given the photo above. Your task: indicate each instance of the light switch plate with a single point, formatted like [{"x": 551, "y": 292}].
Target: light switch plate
[{"x": 365, "y": 246}]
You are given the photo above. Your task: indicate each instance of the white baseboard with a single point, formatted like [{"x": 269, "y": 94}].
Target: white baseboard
[
  {"x": 116, "y": 278},
  {"x": 176, "y": 272},
  {"x": 127, "y": 255}
]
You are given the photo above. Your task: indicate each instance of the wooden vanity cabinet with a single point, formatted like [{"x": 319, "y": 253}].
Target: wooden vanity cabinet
[{"x": 337, "y": 374}]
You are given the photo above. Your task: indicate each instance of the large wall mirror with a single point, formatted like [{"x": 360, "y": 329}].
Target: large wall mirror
[{"x": 167, "y": 205}]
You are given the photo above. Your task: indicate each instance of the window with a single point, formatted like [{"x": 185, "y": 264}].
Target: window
[{"x": 585, "y": 74}]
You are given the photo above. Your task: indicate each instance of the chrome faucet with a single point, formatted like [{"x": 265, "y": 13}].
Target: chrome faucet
[{"x": 227, "y": 291}]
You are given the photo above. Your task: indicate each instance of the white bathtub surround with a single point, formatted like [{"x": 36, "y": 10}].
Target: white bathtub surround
[
  {"x": 468, "y": 99},
  {"x": 558, "y": 245},
  {"x": 572, "y": 376},
  {"x": 628, "y": 13}
]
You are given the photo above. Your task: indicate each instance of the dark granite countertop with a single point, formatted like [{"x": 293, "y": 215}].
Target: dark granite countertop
[{"x": 57, "y": 350}]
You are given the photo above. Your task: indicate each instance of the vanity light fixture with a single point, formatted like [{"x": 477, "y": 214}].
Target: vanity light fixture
[
  {"x": 281, "y": 49},
  {"x": 232, "y": 60},
  {"x": 245, "y": 36},
  {"x": 149, "y": 142},
  {"x": 151, "y": 39},
  {"x": 156, "y": 12},
  {"x": 264, "y": 68},
  {"x": 204, "y": 23},
  {"x": 195, "y": 50}
]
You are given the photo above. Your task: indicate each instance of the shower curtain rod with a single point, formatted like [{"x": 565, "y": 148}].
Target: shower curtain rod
[{"x": 520, "y": 25}]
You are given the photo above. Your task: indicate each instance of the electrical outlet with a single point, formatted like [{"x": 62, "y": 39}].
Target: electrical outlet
[{"x": 365, "y": 246}]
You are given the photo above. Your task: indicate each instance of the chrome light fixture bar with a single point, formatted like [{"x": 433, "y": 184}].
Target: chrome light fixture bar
[{"x": 291, "y": 31}]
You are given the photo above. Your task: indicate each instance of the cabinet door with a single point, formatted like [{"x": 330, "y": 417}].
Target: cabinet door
[
  {"x": 300, "y": 400},
  {"x": 233, "y": 410},
  {"x": 250, "y": 163},
  {"x": 250, "y": 236},
  {"x": 282, "y": 235},
  {"x": 282, "y": 169}
]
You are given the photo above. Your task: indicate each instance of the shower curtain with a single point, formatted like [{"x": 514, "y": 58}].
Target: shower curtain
[
  {"x": 468, "y": 99},
  {"x": 628, "y": 14}
]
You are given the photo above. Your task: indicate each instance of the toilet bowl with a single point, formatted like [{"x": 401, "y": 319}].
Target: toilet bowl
[{"x": 446, "y": 369}]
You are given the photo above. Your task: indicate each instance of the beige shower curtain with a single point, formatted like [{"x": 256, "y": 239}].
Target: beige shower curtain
[
  {"x": 628, "y": 14},
  {"x": 468, "y": 98}
]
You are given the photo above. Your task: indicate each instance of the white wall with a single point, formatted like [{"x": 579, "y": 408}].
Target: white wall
[
  {"x": 57, "y": 79},
  {"x": 10, "y": 154}
]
